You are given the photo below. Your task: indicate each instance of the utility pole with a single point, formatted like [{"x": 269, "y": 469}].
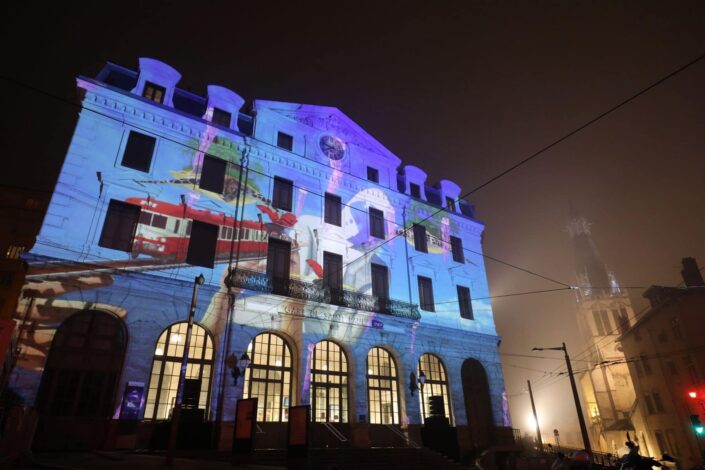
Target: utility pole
[
  {"x": 578, "y": 408},
  {"x": 536, "y": 418},
  {"x": 176, "y": 413}
]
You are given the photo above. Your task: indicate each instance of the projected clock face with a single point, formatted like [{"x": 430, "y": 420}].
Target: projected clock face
[{"x": 332, "y": 147}]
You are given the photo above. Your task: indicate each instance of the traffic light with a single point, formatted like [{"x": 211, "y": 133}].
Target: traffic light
[
  {"x": 697, "y": 425},
  {"x": 693, "y": 394}
]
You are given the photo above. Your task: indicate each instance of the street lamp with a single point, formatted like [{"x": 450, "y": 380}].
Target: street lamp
[
  {"x": 578, "y": 409},
  {"x": 238, "y": 367},
  {"x": 176, "y": 413},
  {"x": 422, "y": 380}
]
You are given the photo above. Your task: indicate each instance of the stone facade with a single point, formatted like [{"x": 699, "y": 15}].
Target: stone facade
[{"x": 141, "y": 143}]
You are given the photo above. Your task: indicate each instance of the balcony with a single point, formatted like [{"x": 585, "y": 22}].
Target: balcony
[{"x": 317, "y": 292}]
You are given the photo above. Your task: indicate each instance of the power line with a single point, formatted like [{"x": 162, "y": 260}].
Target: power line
[{"x": 556, "y": 142}]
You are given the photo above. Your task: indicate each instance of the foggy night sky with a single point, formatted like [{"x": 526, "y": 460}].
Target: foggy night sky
[{"x": 463, "y": 91}]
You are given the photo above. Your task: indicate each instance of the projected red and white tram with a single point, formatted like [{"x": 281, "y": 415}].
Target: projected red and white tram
[{"x": 164, "y": 229}]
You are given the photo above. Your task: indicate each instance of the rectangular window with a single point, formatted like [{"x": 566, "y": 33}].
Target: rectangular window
[
  {"x": 649, "y": 404},
  {"x": 661, "y": 442},
  {"x": 426, "y": 294},
  {"x": 159, "y": 221},
  {"x": 119, "y": 226},
  {"x": 380, "y": 285},
  {"x": 278, "y": 262},
  {"x": 621, "y": 319},
  {"x": 676, "y": 328},
  {"x": 658, "y": 404},
  {"x": 202, "y": 243},
  {"x": 373, "y": 174},
  {"x": 606, "y": 322},
  {"x": 456, "y": 246},
  {"x": 285, "y": 141},
  {"x": 333, "y": 276},
  {"x": 638, "y": 368},
  {"x": 647, "y": 365},
  {"x": 138, "y": 151},
  {"x": 213, "y": 174},
  {"x": 154, "y": 92},
  {"x": 333, "y": 209},
  {"x": 14, "y": 251},
  {"x": 415, "y": 190},
  {"x": 222, "y": 118},
  {"x": 376, "y": 223},
  {"x": 283, "y": 194},
  {"x": 465, "y": 302},
  {"x": 420, "y": 238},
  {"x": 672, "y": 442},
  {"x": 598, "y": 323},
  {"x": 450, "y": 204}
]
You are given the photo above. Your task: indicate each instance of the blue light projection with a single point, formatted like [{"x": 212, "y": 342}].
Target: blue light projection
[{"x": 149, "y": 286}]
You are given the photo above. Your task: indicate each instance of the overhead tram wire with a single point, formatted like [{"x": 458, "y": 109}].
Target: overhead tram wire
[
  {"x": 610, "y": 336},
  {"x": 169, "y": 139},
  {"x": 548, "y": 147}
]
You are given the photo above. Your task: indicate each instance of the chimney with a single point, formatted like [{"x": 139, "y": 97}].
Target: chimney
[{"x": 691, "y": 274}]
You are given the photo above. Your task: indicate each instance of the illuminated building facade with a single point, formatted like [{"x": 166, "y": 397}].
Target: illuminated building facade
[
  {"x": 295, "y": 216},
  {"x": 604, "y": 312},
  {"x": 666, "y": 348}
]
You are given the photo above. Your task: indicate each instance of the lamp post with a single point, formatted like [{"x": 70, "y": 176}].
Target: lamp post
[
  {"x": 176, "y": 413},
  {"x": 238, "y": 367},
  {"x": 578, "y": 409}
]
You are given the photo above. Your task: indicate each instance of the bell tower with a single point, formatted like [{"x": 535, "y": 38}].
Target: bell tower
[{"x": 604, "y": 311}]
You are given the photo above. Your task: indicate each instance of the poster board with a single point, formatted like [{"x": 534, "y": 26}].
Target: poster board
[
  {"x": 245, "y": 428},
  {"x": 298, "y": 435}
]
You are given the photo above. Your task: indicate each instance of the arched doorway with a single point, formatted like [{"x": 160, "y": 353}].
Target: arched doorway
[
  {"x": 478, "y": 405},
  {"x": 269, "y": 377},
  {"x": 79, "y": 383},
  {"x": 329, "y": 383}
]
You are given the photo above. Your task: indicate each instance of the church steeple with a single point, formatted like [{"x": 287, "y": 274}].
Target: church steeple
[{"x": 594, "y": 280}]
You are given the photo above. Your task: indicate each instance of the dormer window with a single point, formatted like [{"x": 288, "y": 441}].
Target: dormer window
[
  {"x": 450, "y": 204},
  {"x": 373, "y": 174},
  {"x": 285, "y": 141},
  {"x": 154, "y": 92},
  {"x": 415, "y": 190},
  {"x": 222, "y": 118}
]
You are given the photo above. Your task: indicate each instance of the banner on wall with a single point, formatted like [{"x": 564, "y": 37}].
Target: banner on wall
[{"x": 132, "y": 401}]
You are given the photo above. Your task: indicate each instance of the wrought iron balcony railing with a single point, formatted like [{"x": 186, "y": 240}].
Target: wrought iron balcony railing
[{"x": 317, "y": 292}]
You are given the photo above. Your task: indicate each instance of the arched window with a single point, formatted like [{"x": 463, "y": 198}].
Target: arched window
[
  {"x": 329, "y": 383},
  {"x": 83, "y": 367},
  {"x": 436, "y": 385},
  {"x": 168, "y": 356},
  {"x": 382, "y": 389},
  {"x": 269, "y": 377}
]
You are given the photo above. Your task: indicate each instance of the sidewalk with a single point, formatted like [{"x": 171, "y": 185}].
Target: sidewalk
[{"x": 108, "y": 460}]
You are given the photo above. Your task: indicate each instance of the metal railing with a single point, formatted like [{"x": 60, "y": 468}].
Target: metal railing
[{"x": 317, "y": 292}]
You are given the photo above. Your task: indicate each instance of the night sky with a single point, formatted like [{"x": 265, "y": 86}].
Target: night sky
[{"x": 463, "y": 91}]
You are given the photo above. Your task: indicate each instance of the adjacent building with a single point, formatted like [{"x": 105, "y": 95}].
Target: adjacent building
[
  {"x": 665, "y": 351},
  {"x": 335, "y": 276}
]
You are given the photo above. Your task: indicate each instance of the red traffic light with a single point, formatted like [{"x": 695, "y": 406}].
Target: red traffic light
[{"x": 693, "y": 394}]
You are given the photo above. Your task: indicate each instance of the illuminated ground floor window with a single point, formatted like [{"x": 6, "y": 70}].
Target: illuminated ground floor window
[
  {"x": 435, "y": 385},
  {"x": 382, "y": 387},
  {"x": 268, "y": 378},
  {"x": 329, "y": 383},
  {"x": 166, "y": 366}
]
